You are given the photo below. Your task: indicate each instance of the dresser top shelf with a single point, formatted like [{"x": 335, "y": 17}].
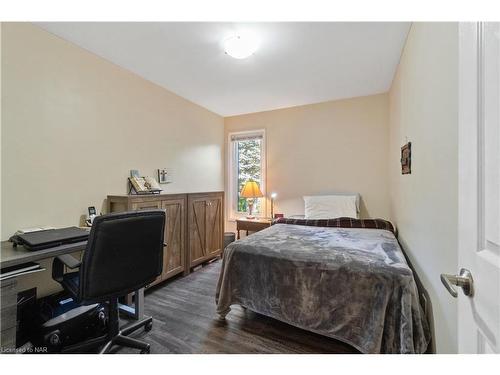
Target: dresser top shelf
[{"x": 132, "y": 196}]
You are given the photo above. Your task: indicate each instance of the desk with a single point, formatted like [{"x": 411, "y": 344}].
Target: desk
[{"x": 13, "y": 256}]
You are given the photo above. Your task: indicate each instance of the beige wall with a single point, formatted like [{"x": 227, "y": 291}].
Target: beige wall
[
  {"x": 75, "y": 124},
  {"x": 327, "y": 147},
  {"x": 424, "y": 110}
]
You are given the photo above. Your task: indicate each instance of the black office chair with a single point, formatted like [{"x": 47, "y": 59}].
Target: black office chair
[{"x": 124, "y": 253}]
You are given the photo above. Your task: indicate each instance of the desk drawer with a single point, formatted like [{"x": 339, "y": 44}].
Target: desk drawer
[
  {"x": 9, "y": 317},
  {"x": 8, "y": 295},
  {"x": 8, "y": 287},
  {"x": 8, "y": 338},
  {"x": 8, "y": 300}
]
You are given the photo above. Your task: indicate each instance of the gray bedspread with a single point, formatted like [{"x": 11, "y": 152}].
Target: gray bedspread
[{"x": 353, "y": 285}]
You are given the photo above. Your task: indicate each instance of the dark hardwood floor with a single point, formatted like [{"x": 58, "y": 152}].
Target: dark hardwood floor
[{"x": 185, "y": 322}]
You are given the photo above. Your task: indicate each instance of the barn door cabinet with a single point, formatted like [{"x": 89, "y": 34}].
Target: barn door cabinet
[
  {"x": 205, "y": 226},
  {"x": 181, "y": 247}
]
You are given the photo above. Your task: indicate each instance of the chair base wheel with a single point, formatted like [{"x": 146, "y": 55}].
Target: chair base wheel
[
  {"x": 146, "y": 351},
  {"x": 149, "y": 326}
]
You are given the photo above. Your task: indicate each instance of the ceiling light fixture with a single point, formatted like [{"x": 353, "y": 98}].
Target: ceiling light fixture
[{"x": 240, "y": 46}]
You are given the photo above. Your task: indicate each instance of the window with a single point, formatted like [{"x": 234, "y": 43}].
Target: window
[{"x": 246, "y": 162}]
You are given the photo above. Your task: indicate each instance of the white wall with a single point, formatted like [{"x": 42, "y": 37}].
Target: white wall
[
  {"x": 73, "y": 125},
  {"x": 423, "y": 108},
  {"x": 323, "y": 148}
]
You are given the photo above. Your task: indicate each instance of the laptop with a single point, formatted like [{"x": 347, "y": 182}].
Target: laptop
[{"x": 45, "y": 239}]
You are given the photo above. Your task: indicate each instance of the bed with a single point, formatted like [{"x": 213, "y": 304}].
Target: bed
[{"x": 343, "y": 278}]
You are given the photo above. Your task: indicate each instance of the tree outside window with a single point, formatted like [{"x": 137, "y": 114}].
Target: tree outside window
[{"x": 248, "y": 158}]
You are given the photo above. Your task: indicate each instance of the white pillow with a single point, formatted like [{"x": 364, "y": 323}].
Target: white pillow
[{"x": 330, "y": 206}]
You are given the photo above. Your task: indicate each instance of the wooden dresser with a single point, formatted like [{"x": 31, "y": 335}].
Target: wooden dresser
[{"x": 194, "y": 229}]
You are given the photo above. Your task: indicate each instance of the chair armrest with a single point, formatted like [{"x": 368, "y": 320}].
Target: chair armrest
[
  {"x": 69, "y": 261},
  {"x": 59, "y": 263}
]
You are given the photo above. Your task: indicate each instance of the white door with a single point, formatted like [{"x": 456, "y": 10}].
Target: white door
[{"x": 479, "y": 186}]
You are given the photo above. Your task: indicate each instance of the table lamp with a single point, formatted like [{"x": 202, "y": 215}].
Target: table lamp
[
  {"x": 273, "y": 197},
  {"x": 251, "y": 191}
]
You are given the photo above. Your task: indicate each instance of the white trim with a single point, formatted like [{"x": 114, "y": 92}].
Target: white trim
[
  {"x": 480, "y": 135},
  {"x": 232, "y": 214}
]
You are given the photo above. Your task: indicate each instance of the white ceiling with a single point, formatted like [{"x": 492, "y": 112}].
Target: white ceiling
[{"x": 296, "y": 63}]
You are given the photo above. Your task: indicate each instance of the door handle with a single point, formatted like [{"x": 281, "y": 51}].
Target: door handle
[{"x": 463, "y": 280}]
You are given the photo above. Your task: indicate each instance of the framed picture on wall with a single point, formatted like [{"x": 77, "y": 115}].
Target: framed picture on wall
[
  {"x": 406, "y": 158},
  {"x": 164, "y": 176}
]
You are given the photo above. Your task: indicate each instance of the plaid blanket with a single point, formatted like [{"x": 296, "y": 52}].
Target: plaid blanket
[{"x": 341, "y": 222}]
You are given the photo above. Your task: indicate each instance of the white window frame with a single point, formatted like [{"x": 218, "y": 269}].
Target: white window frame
[{"x": 232, "y": 173}]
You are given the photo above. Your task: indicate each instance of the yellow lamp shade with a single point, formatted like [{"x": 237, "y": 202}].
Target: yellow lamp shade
[{"x": 251, "y": 190}]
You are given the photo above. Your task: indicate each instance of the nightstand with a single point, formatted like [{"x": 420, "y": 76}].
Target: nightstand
[{"x": 251, "y": 225}]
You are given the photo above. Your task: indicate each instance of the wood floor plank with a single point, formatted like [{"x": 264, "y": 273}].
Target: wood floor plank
[{"x": 185, "y": 322}]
